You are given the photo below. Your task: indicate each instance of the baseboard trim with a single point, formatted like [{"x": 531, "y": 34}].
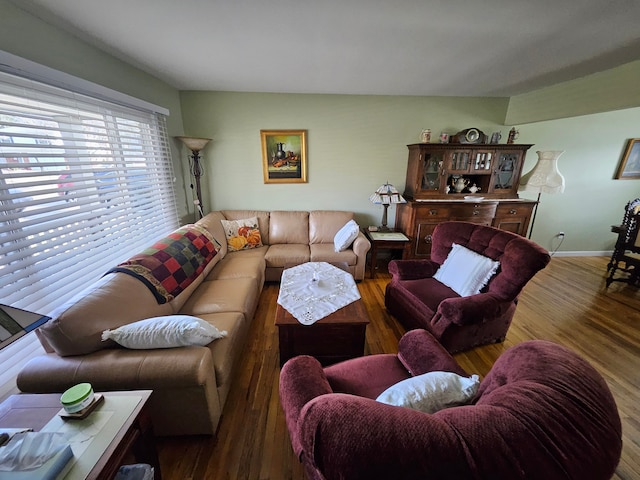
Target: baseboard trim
[{"x": 602, "y": 253}]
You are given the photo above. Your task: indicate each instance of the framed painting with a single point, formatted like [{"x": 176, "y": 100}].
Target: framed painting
[
  {"x": 284, "y": 156},
  {"x": 630, "y": 164}
]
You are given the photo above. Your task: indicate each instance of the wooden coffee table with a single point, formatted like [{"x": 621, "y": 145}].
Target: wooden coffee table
[
  {"x": 126, "y": 438},
  {"x": 337, "y": 337}
]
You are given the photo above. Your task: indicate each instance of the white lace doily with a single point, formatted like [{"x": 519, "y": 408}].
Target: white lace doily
[{"x": 313, "y": 290}]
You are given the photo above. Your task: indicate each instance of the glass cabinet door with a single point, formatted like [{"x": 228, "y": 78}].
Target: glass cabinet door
[
  {"x": 431, "y": 171},
  {"x": 507, "y": 169},
  {"x": 483, "y": 161},
  {"x": 459, "y": 161}
]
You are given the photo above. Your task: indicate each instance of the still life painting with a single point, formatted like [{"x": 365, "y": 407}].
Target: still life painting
[{"x": 284, "y": 156}]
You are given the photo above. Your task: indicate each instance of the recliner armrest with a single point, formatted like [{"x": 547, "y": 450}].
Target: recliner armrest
[
  {"x": 470, "y": 310},
  {"x": 345, "y": 436},
  {"x": 420, "y": 353},
  {"x": 301, "y": 380},
  {"x": 412, "y": 269}
]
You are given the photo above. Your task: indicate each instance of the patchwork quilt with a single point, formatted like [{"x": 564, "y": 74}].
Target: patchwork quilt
[{"x": 171, "y": 264}]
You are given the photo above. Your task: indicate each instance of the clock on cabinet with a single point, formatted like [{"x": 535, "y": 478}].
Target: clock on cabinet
[{"x": 470, "y": 135}]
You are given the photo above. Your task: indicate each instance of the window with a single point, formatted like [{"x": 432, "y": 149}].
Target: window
[{"x": 84, "y": 184}]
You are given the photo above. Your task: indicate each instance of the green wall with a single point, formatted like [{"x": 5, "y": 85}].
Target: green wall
[{"x": 355, "y": 144}]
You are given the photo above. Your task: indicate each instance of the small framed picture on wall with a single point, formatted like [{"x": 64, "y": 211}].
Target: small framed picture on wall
[
  {"x": 284, "y": 156},
  {"x": 630, "y": 163}
]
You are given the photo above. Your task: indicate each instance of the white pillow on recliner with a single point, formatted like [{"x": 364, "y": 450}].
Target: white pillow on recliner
[
  {"x": 465, "y": 271},
  {"x": 431, "y": 391}
]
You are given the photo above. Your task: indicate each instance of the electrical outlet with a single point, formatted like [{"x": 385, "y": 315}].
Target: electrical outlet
[{"x": 560, "y": 235}]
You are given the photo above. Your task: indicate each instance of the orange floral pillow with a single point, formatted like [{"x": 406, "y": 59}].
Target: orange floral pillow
[{"x": 242, "y": 234}]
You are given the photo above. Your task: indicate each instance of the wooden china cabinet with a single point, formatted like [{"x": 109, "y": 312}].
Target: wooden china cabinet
[{"x": 440, "y": 176}]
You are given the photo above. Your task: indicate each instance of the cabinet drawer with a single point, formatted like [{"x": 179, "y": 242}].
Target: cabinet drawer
[
  {"x": 470, "y": 210},
  {"x": 433, "y": 212},
  {"x": 513, "y": 210}
]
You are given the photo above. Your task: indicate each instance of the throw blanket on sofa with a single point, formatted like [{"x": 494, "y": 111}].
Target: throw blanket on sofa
[{"x": 170, "y": 265}]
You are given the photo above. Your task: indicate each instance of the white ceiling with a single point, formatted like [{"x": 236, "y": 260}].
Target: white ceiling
[{"x": 386, "y": 47}]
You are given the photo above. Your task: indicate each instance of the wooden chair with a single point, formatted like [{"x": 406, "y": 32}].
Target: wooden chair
[{"x": 627, "y": 248}]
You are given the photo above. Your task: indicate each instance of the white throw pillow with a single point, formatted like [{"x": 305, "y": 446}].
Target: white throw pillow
[
  {"x": 465, "y": 271},
  {"x": 345, "y": 236},
  {"x": 164, "y": 332},
  {"x": 431, "y": 391}
]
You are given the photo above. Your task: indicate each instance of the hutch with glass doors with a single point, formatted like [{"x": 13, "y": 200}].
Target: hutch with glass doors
[{"x": 460, "y": 181}]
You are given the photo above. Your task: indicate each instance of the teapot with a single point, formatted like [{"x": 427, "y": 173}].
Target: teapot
[
  {"x": 473, "y": 188},
  {"x": 460, "y": 184}
]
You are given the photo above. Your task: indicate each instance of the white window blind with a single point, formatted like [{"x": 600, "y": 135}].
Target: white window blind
[{"x": 84, "y": 184}]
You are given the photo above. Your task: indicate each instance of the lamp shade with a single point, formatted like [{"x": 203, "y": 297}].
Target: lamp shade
[
  {"x": 545, "y": 176},
  {"x": 386, "y": 194},
  {"x": 193, "y": 143}
]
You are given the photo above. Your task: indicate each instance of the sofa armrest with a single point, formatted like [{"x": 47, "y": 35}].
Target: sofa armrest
[
  {"x": 361, "y": 245},
  {"x": 120, "y": 369},
  {"x": 301, "y": 380},
  {"x": 420, "y": 353},
  {"x": 469, "y": 310},
  {"x": 412, "y": 269},
  {"x": 344, "y": 436}
]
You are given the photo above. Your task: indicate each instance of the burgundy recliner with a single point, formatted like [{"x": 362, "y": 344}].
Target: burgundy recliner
[
  {"x": 541, "y": 413},
  {"x": 418, "y": 300}
]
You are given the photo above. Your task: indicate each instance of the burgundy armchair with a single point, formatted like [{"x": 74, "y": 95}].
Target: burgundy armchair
[
  {"x": 542, "y": 413},
  {"x": 418, "y": 300}
]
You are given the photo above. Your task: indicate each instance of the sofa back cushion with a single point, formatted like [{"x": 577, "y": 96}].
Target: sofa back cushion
[
  {"x": 263, "y": 221},
  {"x": 289, "y": 227},
  {"x": 114, "y": 300},
  {"x": 212, "y": 223},
  {"x": 324, "y": 224}
]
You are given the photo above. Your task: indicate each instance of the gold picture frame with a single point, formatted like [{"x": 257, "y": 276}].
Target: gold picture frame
[
  {"x": 284, "y": 156},
  {"x": 630, "y": 165}
]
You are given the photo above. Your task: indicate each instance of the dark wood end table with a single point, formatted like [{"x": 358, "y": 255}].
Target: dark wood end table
[{"x": 382, "y": 244}]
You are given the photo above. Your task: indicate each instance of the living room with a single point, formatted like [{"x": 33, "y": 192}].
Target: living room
[{"x": 358, "y": 141}]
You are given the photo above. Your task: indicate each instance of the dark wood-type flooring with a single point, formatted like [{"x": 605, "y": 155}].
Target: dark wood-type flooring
[{"x": 566, "y": 303}]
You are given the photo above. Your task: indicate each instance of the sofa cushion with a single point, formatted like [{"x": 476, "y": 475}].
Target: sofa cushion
[
  {"x": 465, "y": 271},
  {"x": 225, "y": 351},
  {"x": 239, "y": 265},
  {"x": 169, "y": 331},
  {"x": 283, "y": 255},
  {"x": 431, "y": 391},
  {"x": 242, "y": 234},
  {"x": 111, "y": 302},
  {"x": 324, "y": 252},
  {"x": 230, "y": 295},
  {"x": 324, "y": 224},
  {"x": 345, "y": 236},
  {"x": 288, "y": 227}
]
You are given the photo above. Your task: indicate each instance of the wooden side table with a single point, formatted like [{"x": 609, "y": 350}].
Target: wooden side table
[
  {"x": 378, "y": 242},
  {"x": 127, "y": 435}
]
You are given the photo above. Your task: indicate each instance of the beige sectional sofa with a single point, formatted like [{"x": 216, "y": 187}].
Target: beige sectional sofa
[{"x": 190, "y": 383}]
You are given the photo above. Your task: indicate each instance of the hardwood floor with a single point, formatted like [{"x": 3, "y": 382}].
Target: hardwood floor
[{"x": 565, "y": 303}]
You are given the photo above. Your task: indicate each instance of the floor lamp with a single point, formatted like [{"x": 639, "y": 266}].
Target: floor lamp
[
  {"x": 195, "y": 145},
  {"x": 544, "y": 177}
]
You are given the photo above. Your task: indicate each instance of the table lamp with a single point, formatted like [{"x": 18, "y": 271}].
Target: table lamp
[{"x": 386, "y": 195}]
